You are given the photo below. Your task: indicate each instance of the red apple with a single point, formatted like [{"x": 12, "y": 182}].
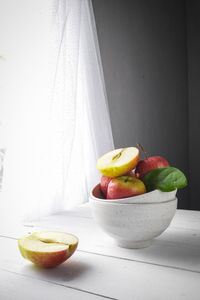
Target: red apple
[
  {"x": 124, "y": 187},
  {"x": 104, "y": 183},
  {"x": 148, "y": 164},
  {"x": 106, "y": 180}
]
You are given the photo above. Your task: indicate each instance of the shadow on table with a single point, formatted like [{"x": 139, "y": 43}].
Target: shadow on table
[
  {"x": 174, "y": 248},
  {"x": 65, "y": 272}
]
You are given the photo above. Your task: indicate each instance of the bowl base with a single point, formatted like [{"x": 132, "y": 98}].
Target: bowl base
[{"x": 134, "y": 244}]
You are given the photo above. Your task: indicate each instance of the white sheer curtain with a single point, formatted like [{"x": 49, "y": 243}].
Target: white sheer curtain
[{"x": 53, "y": 106}]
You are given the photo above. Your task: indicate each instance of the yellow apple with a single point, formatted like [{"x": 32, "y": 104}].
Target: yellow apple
[
  {"x": 118, "y": 162},
  {"x": 48, "y": 248}
]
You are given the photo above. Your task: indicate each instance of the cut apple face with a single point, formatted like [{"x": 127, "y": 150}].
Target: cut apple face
[
  {"x": 48, "y": 248},
  {"x": 118, "y": 162}
]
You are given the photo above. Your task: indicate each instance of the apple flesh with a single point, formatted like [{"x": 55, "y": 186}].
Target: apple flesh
[
  {"x": 106, "y": 180},
  {"x": 124, "y": 187},
  {"x": 148, "y": 164},
  {"x": 118, "y": 162},
  {"x": 48, "y": 248}
]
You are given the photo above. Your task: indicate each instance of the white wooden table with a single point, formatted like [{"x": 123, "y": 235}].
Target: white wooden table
[{"x": 169, "y": 269}]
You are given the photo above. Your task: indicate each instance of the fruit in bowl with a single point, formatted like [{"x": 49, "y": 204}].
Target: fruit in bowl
[
  {"x": 106, "y": 180},
  {"x": 135, "y": 205},
  {"x": 118, "y": 162},
  {"x": 149, "y": 163},
  {"x": 104, "y": 184},
  {"x": 125, "y": 186},
  {"x": 146, "y": 175},
  {"x": 155, "y": 196}
]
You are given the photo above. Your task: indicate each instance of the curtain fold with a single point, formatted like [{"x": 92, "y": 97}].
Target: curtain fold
[{"x": 53, "y": 106}]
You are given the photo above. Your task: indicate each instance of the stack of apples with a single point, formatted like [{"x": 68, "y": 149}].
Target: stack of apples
[{"x": 123, "y": 172}]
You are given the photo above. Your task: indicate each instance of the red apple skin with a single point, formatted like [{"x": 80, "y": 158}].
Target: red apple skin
[
  {"x": 48, "y": 260},
  {"x": 124, "y": 187},
  {"x": 104, "y": 184},
  {"x": 106, "y": 180},
  {"x": 148, "y": 164}
]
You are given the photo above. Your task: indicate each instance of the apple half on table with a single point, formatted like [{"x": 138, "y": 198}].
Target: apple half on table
[
  {"x": 48, "y": 248},
  {"x": 118, "y": 162}
]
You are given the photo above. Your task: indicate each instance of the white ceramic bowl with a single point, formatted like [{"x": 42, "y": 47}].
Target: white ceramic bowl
[{"x": 134, "y": 224}]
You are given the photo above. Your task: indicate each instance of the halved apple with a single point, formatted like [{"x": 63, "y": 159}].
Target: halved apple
[
  {"x": 118, "y": 162},
  {"x": 48, "y": 248}
]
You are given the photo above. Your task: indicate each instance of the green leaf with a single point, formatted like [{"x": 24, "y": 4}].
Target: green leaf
[{"x": 165, "y": 179}]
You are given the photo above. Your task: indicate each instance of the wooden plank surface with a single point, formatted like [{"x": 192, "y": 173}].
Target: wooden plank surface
[
  {"x": 19, "y": 287},
  {"x": 177, "y": 247},
  {"x": 169, "y": 269},
  {"x": 106, "y": 276}
]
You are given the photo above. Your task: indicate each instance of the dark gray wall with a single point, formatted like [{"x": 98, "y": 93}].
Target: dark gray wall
[
  {"x": 143, "y": 49},
  {"x": 193, "y": 30}
]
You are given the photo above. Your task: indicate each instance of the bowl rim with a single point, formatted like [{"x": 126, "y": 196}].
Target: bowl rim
[
  {"x": 140, "y": 199},
  {"x": 136, "y": 204}
]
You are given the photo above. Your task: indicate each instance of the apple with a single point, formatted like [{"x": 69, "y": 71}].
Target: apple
[
  {"x": 118, "y": 162},
  {"x": 104, "y": 184},
  {"x": 48, "y": 248},
  {"x": 124, "y": 187},
  {"x": 148, "y": 164},
  {"x": 106, "y": 180}
]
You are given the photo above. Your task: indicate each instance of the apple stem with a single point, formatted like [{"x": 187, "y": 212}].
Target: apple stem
[
  {"x": 140, "y": 146},
  {"x": 118, "y": 154}
]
